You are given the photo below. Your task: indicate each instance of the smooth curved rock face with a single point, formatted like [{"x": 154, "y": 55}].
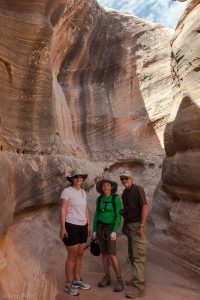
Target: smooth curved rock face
[
  {"x": 79, "y": 86},
  {"x": 37, "y": 144},
  {"x": 176, "y": 209},
  {"x": 29, "y": 133},
  {"x": 116, "y": 78},
  {"x": 117, "y": 81}
]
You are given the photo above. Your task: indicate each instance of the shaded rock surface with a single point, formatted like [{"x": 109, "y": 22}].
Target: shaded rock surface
[{"x": 176, "y": 208}]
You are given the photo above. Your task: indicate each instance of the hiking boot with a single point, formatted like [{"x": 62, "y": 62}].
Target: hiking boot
[
  {"x": 82, "y": 285},
  {"x": 134, "y": 293},
  {"x": 129, "y": 282},
  {"x": 72, "y": 290},
  {"x": 119, "y": 285},
  {"x": 106, "y": 280}
]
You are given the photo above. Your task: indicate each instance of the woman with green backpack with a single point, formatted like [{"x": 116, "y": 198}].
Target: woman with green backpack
[{"x": 105, "y": 226}]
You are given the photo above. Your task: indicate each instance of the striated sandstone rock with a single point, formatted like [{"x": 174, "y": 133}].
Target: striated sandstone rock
[
  {"x": 112, "y": 76},
  {"x": 79, "y": 85},
  {"x": 116, "y": 78},
  {"x": 36, "y": 139},
  {"x": 176, "y": 209}
]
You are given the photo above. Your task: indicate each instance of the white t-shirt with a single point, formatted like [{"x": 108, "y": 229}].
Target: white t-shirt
[{"x": 76, "y": 210}]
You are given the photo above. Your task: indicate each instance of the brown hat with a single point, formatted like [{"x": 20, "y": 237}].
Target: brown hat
[
  {"x": 75, "y": 173},
  {"x": 106, "y": 179}
]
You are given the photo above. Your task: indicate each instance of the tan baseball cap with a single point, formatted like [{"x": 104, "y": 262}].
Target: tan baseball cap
[{"x": 126, "y": 173}]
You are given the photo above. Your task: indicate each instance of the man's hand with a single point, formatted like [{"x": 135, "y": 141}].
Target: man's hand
[
  {"x": 140, "y": 230},
  {"x": 63, "y": 233}
]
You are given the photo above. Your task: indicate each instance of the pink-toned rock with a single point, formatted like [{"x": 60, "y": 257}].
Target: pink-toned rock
[
  {"x": 79, "y": 86},
  {"x": 177, "y": 201},
  {"x": 88, "y": 87}
]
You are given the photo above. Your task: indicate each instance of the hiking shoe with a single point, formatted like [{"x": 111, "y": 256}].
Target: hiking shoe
[
  {"x": 134, "y": 293},
  {"x": 106, "y": 280},
  {"x": 71, "y": 289},
  {"x": 119, "y": 285},
  {"x": 129, "y": 282},
  {"x": 82, "y": 285}
]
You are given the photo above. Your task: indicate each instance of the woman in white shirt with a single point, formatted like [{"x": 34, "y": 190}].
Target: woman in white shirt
[{"x": 74, "y": 229}]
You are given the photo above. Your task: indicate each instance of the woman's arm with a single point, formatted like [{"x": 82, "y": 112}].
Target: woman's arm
[
  {"x": 95, "y": 219},
  {"x": 63, "y": 212},
  {"x": 118, "y": 206},
  {"x": 88, "y": 220},
  {"x": 87, "y": 216}
]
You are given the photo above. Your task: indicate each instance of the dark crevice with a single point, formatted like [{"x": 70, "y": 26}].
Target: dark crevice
[
  {"x": 19, "y": 151},
  {"x": 126, "y": 163},
  {"x": 8, "y": 69},
  {"x": 197, "y": 69}
]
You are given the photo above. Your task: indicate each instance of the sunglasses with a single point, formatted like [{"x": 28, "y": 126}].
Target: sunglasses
[
  {"x": 78, "y": 176},
  {"x": 124, "y": 178}
]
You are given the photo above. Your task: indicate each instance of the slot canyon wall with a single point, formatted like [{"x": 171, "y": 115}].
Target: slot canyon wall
[
  {"x": 83, "y": 86},
  {"x": 80, "y": 85},
  {"x": 176, "y": 210}
]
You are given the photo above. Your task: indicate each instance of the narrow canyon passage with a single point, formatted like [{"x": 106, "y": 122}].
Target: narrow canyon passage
[{"x": 91, "y": 88}]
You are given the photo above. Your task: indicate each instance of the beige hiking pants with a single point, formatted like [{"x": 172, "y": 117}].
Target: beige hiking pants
[{"x": 137, "y": 254}]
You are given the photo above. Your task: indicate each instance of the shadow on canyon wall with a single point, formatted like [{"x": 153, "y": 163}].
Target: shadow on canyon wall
[
  {"x": 176, "y": 206},
  {"x": 99, "y": 80}
]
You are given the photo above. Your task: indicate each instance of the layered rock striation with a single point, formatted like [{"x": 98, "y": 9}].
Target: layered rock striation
[
  {"x": 177, "y": 200},
  {"x": 88, "y": 87},
  {"x": 79, "y": 86},
  {"x": 116, "y": 79}
]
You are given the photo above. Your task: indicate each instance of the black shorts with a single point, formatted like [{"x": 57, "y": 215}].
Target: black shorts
[{"x": 77, "y": 234}]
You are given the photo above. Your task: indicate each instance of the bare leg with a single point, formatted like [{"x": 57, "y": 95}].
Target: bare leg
[
  {"x": 81, "y": 249},
  {"x": 106, "y": 263},
  {"x": 71, "y": 262},
  {"x": 115, "y": 265}
]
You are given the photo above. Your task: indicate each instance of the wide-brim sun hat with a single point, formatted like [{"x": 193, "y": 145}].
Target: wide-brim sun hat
[
  {"x": 76, "y": 173},
  {"x": 126, "y": 173},
  {"x": 106, "y": 179}
]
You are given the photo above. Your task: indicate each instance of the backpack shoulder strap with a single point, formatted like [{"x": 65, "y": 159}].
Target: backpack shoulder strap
[{"x": 113, "y": 203}]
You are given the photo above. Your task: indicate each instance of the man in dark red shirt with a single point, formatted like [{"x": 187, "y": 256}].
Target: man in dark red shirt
[{"x": 135, "y": 215}]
